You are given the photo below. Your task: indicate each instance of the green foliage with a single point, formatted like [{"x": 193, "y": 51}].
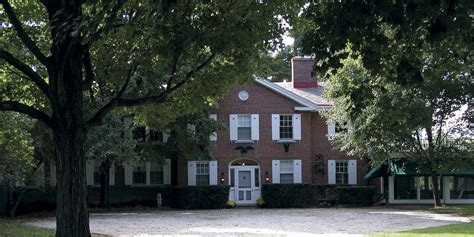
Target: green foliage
[
  {"x": 393, "y": 38},
  {"x": 293, "y": 195},
  {"x": 261, "y": 202},
  {"x": 278, "y": 66},
  {"x": 388, "y": 120},
  {"x": 355, "y": 195},
  {"x": 112, "y": 140},
  {"x": 230, "y": 204},
  {"x": 14, "y": 228},
  {"x": 197, "y": 197},
  {"x": 312, "y": 195},
  {"x": 16, "y": 148}
]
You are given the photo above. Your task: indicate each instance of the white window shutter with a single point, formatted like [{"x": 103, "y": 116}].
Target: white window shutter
[
  {"x": 352, "y": 172},
  {"x": 213, "y": 136},
  {"x": 296, "y": 126},
  {"x": 213, "y": 172},
  {"x": 90, "y": 171},
  {"x": 331, "y": 131},
  {"x": 128, "y": 172},
  {"x": 166, "y": 135},
  {"x": 276, "y": 171},
  {"x": 233, "y": 127},
  {"x": 255, "y": 129},
  {"x": 297, "y": 179},
  {"x": 191, "y": 173},
  {"x": 112, "y": 174},
  {"x": 167, "y": 171},
  {"x": 331, "y": 172},
  {"x": 275, "y": 127}
]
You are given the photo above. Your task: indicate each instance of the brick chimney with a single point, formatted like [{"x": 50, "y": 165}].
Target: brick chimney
[{"x": 302, "y": 74}]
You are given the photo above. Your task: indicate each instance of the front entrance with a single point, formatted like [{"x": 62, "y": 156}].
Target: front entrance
[{"x": 244, "y": 179}]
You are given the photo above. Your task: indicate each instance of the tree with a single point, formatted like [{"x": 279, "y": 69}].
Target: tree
[
  {"x": 278, "y": 66},
  {"x": 425, "y": 125},
  {"x": 418, "y": 51},
  {"x": 59, "y": 55}
]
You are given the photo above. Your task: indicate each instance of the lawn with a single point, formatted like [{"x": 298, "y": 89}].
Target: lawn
[
  {"x": 16, "y": 229},
  {"x": 454, "y": 230}
]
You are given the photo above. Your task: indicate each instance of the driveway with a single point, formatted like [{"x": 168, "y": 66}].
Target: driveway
[{"x": 265, "y": 222}]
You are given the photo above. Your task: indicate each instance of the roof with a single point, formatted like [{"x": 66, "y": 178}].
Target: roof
[
  {"x": 310, "y": 99},
  {"x": 314, "y": 94}
]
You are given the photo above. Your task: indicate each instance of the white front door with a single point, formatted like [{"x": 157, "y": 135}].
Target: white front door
[{"x": 246, "y": 188}]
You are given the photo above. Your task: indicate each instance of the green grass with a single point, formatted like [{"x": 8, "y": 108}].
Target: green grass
[
  {"x": 17, "y": 229},
  {"x": 453, "y": 230}
]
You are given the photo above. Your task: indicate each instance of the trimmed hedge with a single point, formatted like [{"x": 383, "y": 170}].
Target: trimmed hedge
[
  {"x": 312, "y": 195},
  {"x": 197, "y": 197},
  {"x": 355, "y": 195},
  {"x": 292, "y": 195}
]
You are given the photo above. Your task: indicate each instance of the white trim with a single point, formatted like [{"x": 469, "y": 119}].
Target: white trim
[
  {"x": 191, "y": 173},
  {"x": 297, "y": 174},
  {"x": 254, "y": 127},
  {"x": 275, "y": 127},
  {"x": 307, "y": 105},
  {"x": 352, "y": 170},
  {"x": 296, "y": 126},
  {"x": 331, "y": 171},
  {"x": 213, "y": 172},
  {"x": 275, "y": 171}
]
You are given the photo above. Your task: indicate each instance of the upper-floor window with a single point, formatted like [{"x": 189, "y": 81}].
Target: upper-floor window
[
  {"x": 286, "y": 126},
  {"x": 139, "y": 174},
  {"x": 155, "y": 136},
  {"x": 156, "y": 173},
  {"x": 286, "y": 171},
  {"x": 202, "y": 173},
  {"x": 244, "y": 127},
  {"x": 342, "y": 172},
  {"x": 139, "y": 133}
]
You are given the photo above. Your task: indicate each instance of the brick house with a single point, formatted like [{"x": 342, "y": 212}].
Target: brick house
[{"x": 275, "y": 134}]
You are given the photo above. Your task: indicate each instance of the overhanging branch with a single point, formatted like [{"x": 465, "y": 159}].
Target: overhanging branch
[
  {"x": 15, "y": 106},
  {"x": 30, "y": 73},
  {"x": 25, "y": 38},
  {"x": 124, "y": 102}
]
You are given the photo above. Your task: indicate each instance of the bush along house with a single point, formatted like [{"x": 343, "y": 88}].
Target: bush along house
[{"x": 275, "y": 135}]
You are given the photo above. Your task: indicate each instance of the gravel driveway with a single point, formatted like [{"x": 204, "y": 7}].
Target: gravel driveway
[{"x": 266, "y": 222}]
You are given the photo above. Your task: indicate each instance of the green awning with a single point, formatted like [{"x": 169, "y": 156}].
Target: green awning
[
  {"x": 374, "y": 172},
  {"x": 409, "y": 168}
]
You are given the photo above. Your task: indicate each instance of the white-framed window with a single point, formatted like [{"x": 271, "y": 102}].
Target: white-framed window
[
  {"x": 244, "y": 127},
  {"x": 342, "y": 172},
  {"x": 202, "y": 173},
  {"x": 286, "y": 127},
  {"x": 139, "y": 174},
  {"x": 155, "y": 136},
  {"x": 156, "y": 173},
  {"x": 286, "y": 171}
]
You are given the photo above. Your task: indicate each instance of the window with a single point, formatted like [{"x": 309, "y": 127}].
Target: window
[
  {"x": 405, "y": 187},
  {"x": 286, "y": 171},
  {"x": 155, "y": 136},
  {"x": 139, "y": 174},
  {"x": 286, "y": 127},
  {"x": 244, "y": 130},
  {"x": 156, "y": 173},
  {"x": 342, "y": 172},
  {"x": 139, "y": 133},
  {"x": 202, "y": 173},
  {"x": 462, "y": 188}
]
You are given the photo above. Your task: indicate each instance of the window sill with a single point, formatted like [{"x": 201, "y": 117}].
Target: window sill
[
  {"x": 243, "y": 141},
  {"x": 287, "y": 141}
]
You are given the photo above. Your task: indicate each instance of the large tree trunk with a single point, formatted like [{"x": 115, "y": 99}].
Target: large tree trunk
[
  {"x": 72, "y": 217},
  {"x": 436, "y": 194}
]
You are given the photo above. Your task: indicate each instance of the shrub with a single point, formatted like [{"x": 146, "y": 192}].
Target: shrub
[
  {"x": 230, "y": 204},
  {"x": 197, "y": 197},
  {"x": 355, "y": 195},
  {"x": 312, "y": 195},
  {"x": 292, "y": 195},
  {"x": 260, "y": 202}
]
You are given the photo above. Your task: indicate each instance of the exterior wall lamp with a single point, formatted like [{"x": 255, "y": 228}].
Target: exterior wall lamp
[
  {"x": 222, "y": 178},
  {"x": 267, "y": 178}
]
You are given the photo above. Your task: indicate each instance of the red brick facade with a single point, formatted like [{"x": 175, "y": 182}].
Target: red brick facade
[{"x": 266, "y": 102}]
